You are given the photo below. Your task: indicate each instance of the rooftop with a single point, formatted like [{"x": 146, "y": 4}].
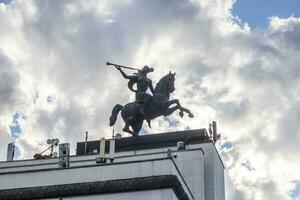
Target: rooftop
[{"x": 151, "y": 141}]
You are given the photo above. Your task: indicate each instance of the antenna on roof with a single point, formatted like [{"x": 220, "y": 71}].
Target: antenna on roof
[
  {"x": 210, "y": 132},
  {"x": 214, "y": 126},
  {"x": 216, "y": 136},
  {"x": 85, "y": 145}
]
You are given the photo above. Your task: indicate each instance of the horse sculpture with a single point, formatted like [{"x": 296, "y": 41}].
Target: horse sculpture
[{"x": 157, "y": 105}]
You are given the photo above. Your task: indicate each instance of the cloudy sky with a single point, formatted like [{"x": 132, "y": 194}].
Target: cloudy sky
[{"x": 237, "y": 62}]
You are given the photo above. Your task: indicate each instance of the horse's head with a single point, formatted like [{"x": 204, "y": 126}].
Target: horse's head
[
  {"x": 166, "y": 84},
  {"x": 170, "y": 79}
]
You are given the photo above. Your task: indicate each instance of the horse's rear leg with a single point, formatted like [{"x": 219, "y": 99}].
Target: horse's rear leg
[
  {"x": 126, "y": 129},
  {"x": 137, "y": 126}
]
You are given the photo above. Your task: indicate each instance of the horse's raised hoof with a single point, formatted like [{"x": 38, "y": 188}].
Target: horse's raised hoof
[
  {"x": 181, "y": 113},
  {"x": 191, "y": 115},
  {"x": 127, "y": 130}
]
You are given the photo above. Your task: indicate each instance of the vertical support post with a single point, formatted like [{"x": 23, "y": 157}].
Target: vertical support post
[
  {"x": 102, "y": 148},
  {"x": 112, "y": 145},
  {"x": 10, "y": 152},
  {"x": 101, "y": 159}
]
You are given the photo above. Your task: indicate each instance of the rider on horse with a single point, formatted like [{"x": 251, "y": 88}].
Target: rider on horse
[
  {"x": 146, "y": 106},
  {"x": 142, "y": 84}
]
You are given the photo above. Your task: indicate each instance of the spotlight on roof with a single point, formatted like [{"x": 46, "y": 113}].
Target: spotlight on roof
[
  {"x": 118, "y": 136},
  {"x": 53, "y": 143},
  {"x": 180, "y": 145}
]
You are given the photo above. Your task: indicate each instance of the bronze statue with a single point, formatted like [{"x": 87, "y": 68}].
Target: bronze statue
[{"x": 146, "y": 106}]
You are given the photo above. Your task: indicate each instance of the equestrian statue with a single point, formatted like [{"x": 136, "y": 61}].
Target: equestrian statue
[{"x": 146, "y": 106}]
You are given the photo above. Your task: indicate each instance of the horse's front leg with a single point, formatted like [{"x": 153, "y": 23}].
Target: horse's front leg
[
  {"x": 169, "y": 111},
  {"x": 181, "y": 108}
]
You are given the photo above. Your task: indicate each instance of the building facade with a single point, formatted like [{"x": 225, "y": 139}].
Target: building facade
[{"x": 168, "y": 166}]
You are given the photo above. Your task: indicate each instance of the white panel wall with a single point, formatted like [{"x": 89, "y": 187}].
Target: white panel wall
[
  {"x": 190, "y": 164},
  {"x": 86, "y": 174},
  {"x": 213, "y": 173}
]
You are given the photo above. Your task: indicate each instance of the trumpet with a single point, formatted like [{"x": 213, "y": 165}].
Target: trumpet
[{"x": 116, "y": 65}]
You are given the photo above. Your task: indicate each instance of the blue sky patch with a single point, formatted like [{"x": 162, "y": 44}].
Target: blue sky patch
[
  {"x": 295, "y": 192},
  {"x": 248, "y": 165},
  {"x": 257, "y": 12},
  {"x": 14, "y": 127},
  {"x": 16, "y": 131},
  {"x": 143, "y": 132},
  {"x": 5, "y": 1},
  {"x": 17, "y": 151},
  {"x": 227, "y": 145}
]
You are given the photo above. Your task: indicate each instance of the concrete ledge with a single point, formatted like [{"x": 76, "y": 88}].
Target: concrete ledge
[{"x": 99, "y": 187}]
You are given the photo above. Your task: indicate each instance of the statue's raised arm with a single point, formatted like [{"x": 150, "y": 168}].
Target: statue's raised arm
[{"x": 132, "y": 77}]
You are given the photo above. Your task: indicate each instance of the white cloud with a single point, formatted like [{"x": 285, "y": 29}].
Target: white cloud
[{"x": 247, "y": 80}]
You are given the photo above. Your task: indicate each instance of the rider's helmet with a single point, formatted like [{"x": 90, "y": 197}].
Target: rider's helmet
[{"x": 147, "y": 69}]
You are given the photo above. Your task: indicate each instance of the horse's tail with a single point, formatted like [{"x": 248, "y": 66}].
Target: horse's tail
[{"x": 114, "y": 114}]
